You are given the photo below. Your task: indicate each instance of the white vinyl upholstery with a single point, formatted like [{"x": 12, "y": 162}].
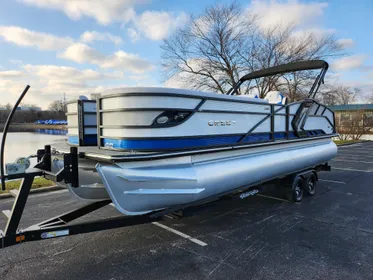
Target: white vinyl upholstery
[{"x": 275, "y": 97}]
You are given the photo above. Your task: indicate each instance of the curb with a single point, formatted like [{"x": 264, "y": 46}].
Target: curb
[
  {"x": 354, "y": 143},
  {"x": 35, "y": 191}
]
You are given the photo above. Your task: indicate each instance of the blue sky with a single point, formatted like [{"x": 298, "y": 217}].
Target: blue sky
[{"x": 80, "y": 47}]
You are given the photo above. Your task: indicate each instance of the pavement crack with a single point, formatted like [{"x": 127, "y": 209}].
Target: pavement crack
[{"x": 67, "y": 250}]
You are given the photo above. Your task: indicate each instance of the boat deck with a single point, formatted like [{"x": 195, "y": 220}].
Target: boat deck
[{"x": 99, "y": 154}]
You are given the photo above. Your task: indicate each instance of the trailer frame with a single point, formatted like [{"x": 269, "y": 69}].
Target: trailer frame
[{"x": 59, "y": 226}]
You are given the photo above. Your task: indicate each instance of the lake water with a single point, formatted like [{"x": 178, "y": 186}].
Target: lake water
[{"x": 24, "y": 144}]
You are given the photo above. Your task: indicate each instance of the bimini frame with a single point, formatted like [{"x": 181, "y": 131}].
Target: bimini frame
[{"x": 288, "y": 68}]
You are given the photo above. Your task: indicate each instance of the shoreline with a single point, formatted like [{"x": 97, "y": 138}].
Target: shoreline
[{"x": 33, "y": 126}]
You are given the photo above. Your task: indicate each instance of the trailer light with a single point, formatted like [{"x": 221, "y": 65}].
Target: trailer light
[{"x": 20, "y": 238}]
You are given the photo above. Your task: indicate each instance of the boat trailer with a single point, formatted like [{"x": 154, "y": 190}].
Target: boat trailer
[{"x": 59, "y": 226}]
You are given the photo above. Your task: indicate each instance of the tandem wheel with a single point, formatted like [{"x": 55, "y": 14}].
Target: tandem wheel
[
  {"x": 310, "y": 184},
  {"x": 295, "y": 189}
]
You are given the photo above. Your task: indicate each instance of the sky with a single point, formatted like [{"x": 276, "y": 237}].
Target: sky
[{"x": 78, "y": 47}]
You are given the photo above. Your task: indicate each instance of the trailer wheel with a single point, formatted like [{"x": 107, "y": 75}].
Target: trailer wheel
[
  {"x": 310, "y": 185},
  {"x": 297, "y": 189}
]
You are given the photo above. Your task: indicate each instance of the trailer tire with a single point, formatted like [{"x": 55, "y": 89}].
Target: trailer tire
[
  {"x": 297, "y": 189},
  {"x": 310, "y": 185}
]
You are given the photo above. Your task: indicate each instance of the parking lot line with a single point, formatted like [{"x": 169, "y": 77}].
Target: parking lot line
[
  {"x": 352, "y": 160},
  {"x": 332, "y": 181},
  {"x": 355, "y": 155},
  {"x": 352, "y": 169},
  {"x": 271, "y": 197},
  {"x": 7, "y": 213},
  {"x": 348, "y": 146},
  {"x": 197, "y": 241}
]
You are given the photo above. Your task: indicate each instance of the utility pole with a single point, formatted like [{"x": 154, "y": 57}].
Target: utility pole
[{"x": 64, "y": 102}]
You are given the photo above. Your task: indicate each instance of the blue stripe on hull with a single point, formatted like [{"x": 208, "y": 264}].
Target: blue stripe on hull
[
  {"x": 187, "y": 143},
  {"x": 89, "y": 140},
  {"x": 158, "y": 144},
  {"x": 74, "y": 140}
]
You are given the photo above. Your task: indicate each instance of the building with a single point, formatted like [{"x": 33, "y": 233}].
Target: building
[{"x": 353, "y": 114}]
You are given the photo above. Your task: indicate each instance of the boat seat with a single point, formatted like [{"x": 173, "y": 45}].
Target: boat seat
[{"x": 276, "y": 97}]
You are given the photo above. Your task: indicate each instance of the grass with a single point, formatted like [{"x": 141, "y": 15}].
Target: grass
[
  {"x": 341, "y": 142},
  {"x": 38, "y": 183}
]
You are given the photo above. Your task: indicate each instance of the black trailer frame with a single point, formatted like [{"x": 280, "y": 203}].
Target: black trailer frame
[{"x": 59, "y": 226}]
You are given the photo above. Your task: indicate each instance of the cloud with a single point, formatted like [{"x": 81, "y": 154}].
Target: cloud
[
  {"x": 346, "y": 43},
  {"x": 104, "y": 12},
  {"x": 349, "y": 63},
  {"x": 28, "y": 38},
  {"x": 316, "y": 32},
  {"x": 11, "y": 74},
  {"x": 91, "y": 36},
  {"x": 156, "y": 25},
  {"x": 133, "y": 34},
  {"x": 273, "y": 13},
  {"x": 65, "y": 73},
  {"x": 50, "y": 82},
  {"x": 81, "y": 53},
  {"x": 16, "y": 61},
  {"x": 120, "y": 60}
]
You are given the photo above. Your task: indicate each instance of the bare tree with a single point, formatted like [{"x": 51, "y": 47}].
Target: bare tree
[
  {"x": 353, "y": 125},
  {"x": 340, "y": 95},
  {"x": 57, "y": 106},
  {"x": 206, "y": 53},
  {"x": 368, "y": 98},
  {"x": 225, "y": 42}
]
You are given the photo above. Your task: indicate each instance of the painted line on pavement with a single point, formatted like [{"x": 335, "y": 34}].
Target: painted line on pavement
[
  {"x": 352, "y": 160},
  {"x": 332, "y": 181},
  {"x": 186, "y": 236},
  {"x": 351, "y": 169},
  {"x": 197, "y": 241},
  {"x": 47, "y": 193},
  {"x": 354, "y": 155},
  {"x": 272, "y": 197},
  {"x": 352, "y": 145},
  {"x": 7, "y": 213}
]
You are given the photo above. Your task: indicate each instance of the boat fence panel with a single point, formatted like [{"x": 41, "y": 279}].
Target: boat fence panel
[
  {"x": 280, "y": 123},
  {"x": 280, "y": 109},
  {"x": 294, "y": 107},
  {"x": 82, "y": 122},
  {"x": 312, "y": 110},
  {"x": 329, "y": 114},
  {"x": 145, "y": 118},
  {"x": 321, "y": 110},
  {"x": 132, "y": 102},
  {"x": 235, "y": 107}
]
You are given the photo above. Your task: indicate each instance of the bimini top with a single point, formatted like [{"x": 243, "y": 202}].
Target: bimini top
[{"x": 287, "y": 68}]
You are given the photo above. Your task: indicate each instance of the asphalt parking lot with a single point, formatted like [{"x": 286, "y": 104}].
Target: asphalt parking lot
[{"x": 327, "y": 236}]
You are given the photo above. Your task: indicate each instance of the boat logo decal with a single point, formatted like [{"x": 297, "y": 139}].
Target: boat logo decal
[
  {"x": 52, "y": 234},
  {"x": 249, "y": 193},
  {"x": 221, "y": 123}
]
